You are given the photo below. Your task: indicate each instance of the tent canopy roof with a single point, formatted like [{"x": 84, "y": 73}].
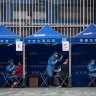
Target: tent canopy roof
[
  {"x": 7, "y": 36},
  {"x": 86, "y": 36},
  {"x": 46, "y": 34}
]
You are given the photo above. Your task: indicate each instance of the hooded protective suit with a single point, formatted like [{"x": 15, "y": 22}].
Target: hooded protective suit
[
  {"x": 91, "y": 69},
  {"x": 9, "y": 70},
  {"x": 51, "y": 65}
]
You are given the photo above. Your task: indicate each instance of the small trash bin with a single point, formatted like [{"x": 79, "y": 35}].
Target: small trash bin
[{"x": 33, "y": 81}]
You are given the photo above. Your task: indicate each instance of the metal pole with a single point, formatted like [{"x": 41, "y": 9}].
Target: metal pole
[
  {"x": 0, "y": 13},
  {"x": 70, "y": 18},
  {"x": 23, "y": 65},
  {"x": 70, "y": 76},
  {"x": 83, "y": 14},
  {"x": 93, "y": 11},
  {"x": 19, "y": 18},
  {"x": 69, "y": 59}
]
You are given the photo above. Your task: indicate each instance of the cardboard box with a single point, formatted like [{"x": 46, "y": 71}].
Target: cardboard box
[{"x": 33, "y": 81}]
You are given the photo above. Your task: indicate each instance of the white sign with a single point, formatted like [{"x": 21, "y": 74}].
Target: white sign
[
  {"x": 19, "y": 45},
  {"x": 87, "y": 33},
  {"x": 65, "y": 46}
]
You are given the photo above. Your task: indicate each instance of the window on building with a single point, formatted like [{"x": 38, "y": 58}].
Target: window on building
[
  {"x": 88, "y": 12},
  {"x": 23, "y": 13},
  {"x": 37, "y": 14},
  {"x": 1, "y": 12},
  {"x": 64, "y": 13},
  {"x": 41, "y": 15}
]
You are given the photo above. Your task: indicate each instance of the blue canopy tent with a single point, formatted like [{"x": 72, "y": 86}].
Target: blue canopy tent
[
  {"x": 7, "y": 49},
  {"x": 87, "y": 36},
  {"x": 46, "y": 35},
  {"x": 7, "y": 36},
  {"x": 83, "y": 50}
]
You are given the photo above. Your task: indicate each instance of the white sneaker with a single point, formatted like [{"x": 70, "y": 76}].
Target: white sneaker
[
  {"x": 51, "y": 86},
  {"x": 14, "y": 84},
  {"x": 58, "y": 86}
]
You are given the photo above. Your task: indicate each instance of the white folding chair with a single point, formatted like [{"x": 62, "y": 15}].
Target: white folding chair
[
  {"x": 44, "y": 79},
  {"x": 18, "y": 80},
  {"x": 6, "y": 79},
  {"x": 92, "y": 81},
  {"x": 63, "y": 80}
]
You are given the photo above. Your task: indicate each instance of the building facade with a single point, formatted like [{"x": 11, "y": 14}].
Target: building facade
[{"x": 69, "y": 17}]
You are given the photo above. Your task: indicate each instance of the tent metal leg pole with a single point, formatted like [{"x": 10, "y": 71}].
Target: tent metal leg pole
[
  {"x": 23, "y": 83},
  {"x": 70, "y": 76}
]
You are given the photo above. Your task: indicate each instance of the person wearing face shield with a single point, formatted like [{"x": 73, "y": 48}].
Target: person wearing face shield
[
  {"x": 10, "y": 68},
  {"x": 51, "y": 66},
  {"x": 92, "y": 68}
]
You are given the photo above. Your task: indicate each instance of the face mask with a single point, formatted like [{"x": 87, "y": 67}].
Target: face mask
[
  {"x": 56, "y": 55},
  {"x": 65, "y": 62},
  {"x": 93, "y": 63}
]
